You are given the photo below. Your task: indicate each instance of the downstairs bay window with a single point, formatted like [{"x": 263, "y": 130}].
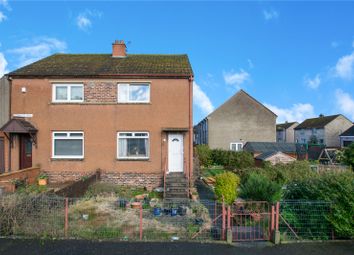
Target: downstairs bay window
[
  {"x": 133, "y": 145},
  {"x": 68, "y": 145}
]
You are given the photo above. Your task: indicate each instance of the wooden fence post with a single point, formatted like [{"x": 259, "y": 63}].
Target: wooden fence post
[
  {"x": 223, "y": 220},
  {"x": 66, "y": 212},
  {"x": 141, "y": 222}
]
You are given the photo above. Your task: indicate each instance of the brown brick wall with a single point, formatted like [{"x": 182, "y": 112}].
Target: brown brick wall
[
  {"x": 100, "y": 92},
  {"x": 148, "y": 181},
  {"x": 145, "y": 180},
  {"x": 29, "y": 174}
]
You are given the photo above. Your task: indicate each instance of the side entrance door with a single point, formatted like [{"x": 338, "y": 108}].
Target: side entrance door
[
  {"x": 175, "y": 152},
  {"x": 25, "y": 151},
  {"x": 2, "y": 156}
]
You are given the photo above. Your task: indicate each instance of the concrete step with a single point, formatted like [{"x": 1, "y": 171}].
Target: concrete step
[
  {"x": 177, "y": 190},
  {"x": 172, "y": 196}
]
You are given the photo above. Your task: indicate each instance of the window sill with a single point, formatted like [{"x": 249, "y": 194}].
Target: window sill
[
  {"x": 133, "y": 159},
  {"x": 67, "y": 159},
  {"x": 147, "y": 103}
]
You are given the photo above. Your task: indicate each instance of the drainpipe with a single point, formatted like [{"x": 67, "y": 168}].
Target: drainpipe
[
  {"x": 10, "y": 136},
  {"x": 191, "y": 79}
]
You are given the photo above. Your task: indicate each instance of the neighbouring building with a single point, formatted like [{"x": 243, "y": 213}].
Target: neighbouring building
[
  {"x": 322, "y": 130},
  {"x": 129, "y": 115},
  {"x": 347, "y": 137},
  {"x": 285, "y": 132},
  {"x": 239, "y": 120},
  {"x": 267, "y": 148},
  {"x": 273, "y": 157}
]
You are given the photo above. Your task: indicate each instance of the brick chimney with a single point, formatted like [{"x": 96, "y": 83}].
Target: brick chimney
[{"x": 119, "y": 49}]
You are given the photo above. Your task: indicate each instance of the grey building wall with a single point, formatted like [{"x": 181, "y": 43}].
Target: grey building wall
[
  {"x": 334, "y": 129},
  {"x": 4, "y": 100},
  {"x": 240, "y": 119},
  {"x": 287, "y": 135},
  {"x": 304, "y": 135}
]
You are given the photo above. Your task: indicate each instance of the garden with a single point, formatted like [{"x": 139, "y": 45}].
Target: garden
[{"x": 313, "y": 205}]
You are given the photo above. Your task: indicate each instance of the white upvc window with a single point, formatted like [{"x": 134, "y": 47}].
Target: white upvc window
[
  {"x": 68, "y": 145},
  {"x": 68, "y": 93},
  {"x": 236, "y": 146},
  {"x": 133, "y": 145},
  {"x": 133, "y": 93}
]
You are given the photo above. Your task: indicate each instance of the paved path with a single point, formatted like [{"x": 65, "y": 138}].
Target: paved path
[{"x": 82, "y": 247}]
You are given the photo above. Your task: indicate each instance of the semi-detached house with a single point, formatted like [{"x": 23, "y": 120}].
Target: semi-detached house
[{"x": 129, "y": 115}]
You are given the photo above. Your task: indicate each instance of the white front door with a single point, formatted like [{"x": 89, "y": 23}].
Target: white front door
[{"x": 175, "y": 152}]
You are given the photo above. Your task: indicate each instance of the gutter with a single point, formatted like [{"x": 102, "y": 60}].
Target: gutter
[{"x": 9, "y": 138}]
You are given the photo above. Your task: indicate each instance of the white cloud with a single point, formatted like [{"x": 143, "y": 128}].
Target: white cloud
[
  {"x": 3, "y": 65},
  {"x": 5, "y": 3},
  {"x": 201, "y": 100},
  {"x": 345, "y": 103},
  {"x": 2, "y": 17},
  {"x": 313, "y": 83},
  {"x": 84, "y": 19},
  {"x": 344, "y": 67},
  {"x": 298, "y": 112},
  {"x": 39, "y": 48},
  {"x": 270, "y": 14},
  {"x": 236, "y": 78}
]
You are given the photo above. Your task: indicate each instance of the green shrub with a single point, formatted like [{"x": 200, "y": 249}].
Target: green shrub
[
  {"x": 260, "y": 188},
  {"x": 232, "y": 159},
  {"x": 226, "y": 186},
  {"x": 204, "y": 155},
  {"x": 337, "y": 188},
  {"x": 348, "y": 156}
]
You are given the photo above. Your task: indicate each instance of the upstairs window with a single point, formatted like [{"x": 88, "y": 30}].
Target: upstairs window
[
  {"x": 68, "y": 145},
  {"x": 133, "y": 145},
  {"x": 236, "y": 146},
  {"x": 133, "y": 93},
  {"x": 68, "y": 93}
]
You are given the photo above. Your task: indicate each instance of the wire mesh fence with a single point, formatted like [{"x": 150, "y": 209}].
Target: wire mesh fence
[
  {"x": 110, "y": 217},
  {"x": 305, "y": 220}
]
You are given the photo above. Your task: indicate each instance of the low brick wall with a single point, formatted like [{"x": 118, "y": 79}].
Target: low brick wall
[
  {"x": 30, "y": 176},
  {"x": 66, "y": 176},
  {"x": 145, "y": 180}
]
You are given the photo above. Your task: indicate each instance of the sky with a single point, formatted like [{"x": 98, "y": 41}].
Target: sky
[{"x": 295, "y": 57}]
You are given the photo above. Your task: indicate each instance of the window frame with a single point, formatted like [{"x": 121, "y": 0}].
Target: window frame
[
  {"x": 68, "y": 97},
  {"x": 67, "y": 137},
  {"x": 237, "y": 143},
  {"x": 132, "y": 101},
  {"x": 133, "y": 136}
]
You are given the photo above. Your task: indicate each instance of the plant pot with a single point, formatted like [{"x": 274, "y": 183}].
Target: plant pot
[
  {"x": 157, "y": 211},
  {"x": 122, "y": 203},
  {"x": 42, "y": 182},
  {"x": 174, "y": 211},
  {"x": 182, "y": 211},
  {"x": 135, "y": 205}
]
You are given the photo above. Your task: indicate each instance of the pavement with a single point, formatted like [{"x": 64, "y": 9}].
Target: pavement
[{"x": 83, "y": 247}]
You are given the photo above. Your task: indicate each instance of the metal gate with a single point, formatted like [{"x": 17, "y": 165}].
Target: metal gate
[{"x": 250, "y": 221}]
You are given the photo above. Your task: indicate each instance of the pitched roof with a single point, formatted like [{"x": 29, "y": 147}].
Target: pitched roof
[
  {"x": 319, "y": 122},
  {"x": 262, "y": 147},
  {"x": 239, "y": 93},
  {"x": 266, "y": 155},
  {"x": 18, "y": 126},
  {"x": 285, "y": 125},
  {"x": 348, "y": 132},
  {"x": 98, "y": 65}
]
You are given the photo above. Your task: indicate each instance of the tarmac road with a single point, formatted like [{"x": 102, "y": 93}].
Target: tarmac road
[{"x": 83, "y": 247}]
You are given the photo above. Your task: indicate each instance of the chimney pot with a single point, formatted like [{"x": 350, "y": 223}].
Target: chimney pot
[{"x": 119, "y": 49}]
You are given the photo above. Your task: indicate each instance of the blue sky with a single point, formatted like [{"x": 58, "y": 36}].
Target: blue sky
[{"x": 295, "y": 57}]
